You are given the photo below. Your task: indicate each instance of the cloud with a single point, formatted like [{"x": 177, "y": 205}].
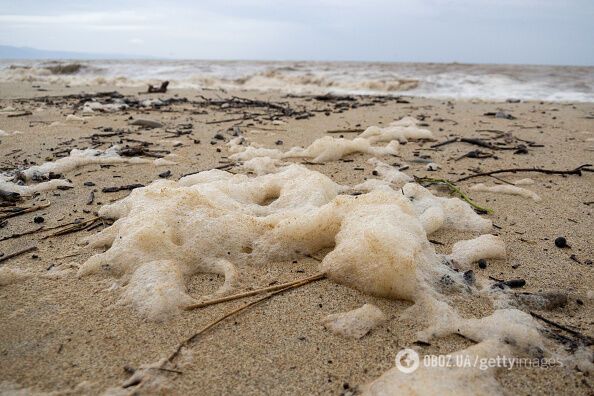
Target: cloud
[{"x": 120, "y": 20}]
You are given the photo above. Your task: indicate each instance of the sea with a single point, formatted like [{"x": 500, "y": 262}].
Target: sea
[{"x": 434, "y": 80}]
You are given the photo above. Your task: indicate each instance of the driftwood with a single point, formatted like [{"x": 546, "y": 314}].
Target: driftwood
[
  {"x": 577, "y": 171},
  {"x": 161, "y": 89},
  {"x": 17, "y": 253}
]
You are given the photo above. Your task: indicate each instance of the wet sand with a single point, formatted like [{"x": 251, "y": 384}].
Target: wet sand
[{"x": 62, "y": 333}]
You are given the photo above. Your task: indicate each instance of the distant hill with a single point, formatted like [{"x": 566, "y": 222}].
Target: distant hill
[{"x": 10, "y": 52}]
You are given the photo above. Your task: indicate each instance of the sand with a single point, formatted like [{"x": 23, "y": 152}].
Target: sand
[{"x": 58, "y": 331}]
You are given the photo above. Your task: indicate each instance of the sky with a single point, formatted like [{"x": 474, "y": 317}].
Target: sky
[{"x": 467, "y": 31}]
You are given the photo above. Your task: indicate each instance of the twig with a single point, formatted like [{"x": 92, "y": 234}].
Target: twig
[
  {"x": 254, "y": 292},
  {"x": 357, "y": 130},
  {"x": 234, "y": 312},
  {"x": 75, "y": 227},
  {"x": 576, "y": 171},
  {"x": 18, "y": 253},
  {"x": 453, "y": 140},
  {"x": 564, "y": 328},
  {"x": 27, "y": 210},
  {"x": 20, "y": 234},
  {"x": 455, "y": 189}
]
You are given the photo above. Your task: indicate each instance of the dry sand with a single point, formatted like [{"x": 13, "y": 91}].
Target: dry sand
[{"x": 58, "y": 332}]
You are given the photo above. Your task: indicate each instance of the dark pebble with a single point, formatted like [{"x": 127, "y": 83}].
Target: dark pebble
[
  {"x": 279, "y": 142},
  {"x": 89, "y": 183},
  {"x": 482, "y": 263},
  {"x": 165, "y": 174},
  {"x": 514, "y": 283},
  {"x": 561, "y": 242},
  {"x": 38, "y": 219}
]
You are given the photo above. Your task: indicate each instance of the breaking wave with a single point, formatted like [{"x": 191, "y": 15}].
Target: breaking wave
[{"x": 458, "y": 81}]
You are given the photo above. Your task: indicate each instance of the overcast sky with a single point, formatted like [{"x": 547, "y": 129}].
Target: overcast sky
[{"x": 473, "y": 31}]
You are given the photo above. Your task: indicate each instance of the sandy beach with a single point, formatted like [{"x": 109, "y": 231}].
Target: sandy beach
[{"x": 61, "y": 333}]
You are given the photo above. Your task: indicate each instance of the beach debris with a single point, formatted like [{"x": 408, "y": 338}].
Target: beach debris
[
  {"x": 17, "y": 211},
  {"x": 561, "y": 242},
  {"x": 482, "y": 263},
  {"x": 229, "y": 314},
  {"x": 144, "y": 122},
  {"x": 19, "y": 114},
  {"x": 576, "y": 171},
  {"x": 127, "y": 187},
  {"x": 292, "y": 284},
  {"x": 161, "y": 89},
  {"x": 9, "y": 196},
  {"x": 17, "y": 253},
  {"x": 432, "y": 167},
  {"x": 355, "y": 323},
  {"x": 500, "y": 114}
]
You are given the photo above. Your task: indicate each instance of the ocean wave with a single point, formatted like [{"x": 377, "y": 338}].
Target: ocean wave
[{"x": 458, "y": 81}]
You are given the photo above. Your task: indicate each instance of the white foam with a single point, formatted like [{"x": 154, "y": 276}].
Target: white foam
[
  {"x": 401, "y": 130},
  {"x": 389, "y": 173},
  {"x": 79, "y": 158},
  {"x": 440, "y": 212},
  {"x": 507, "y": 189},
  {"x": 484, "y": 247},
  {"x": 355, "y": 323},
  {"x": 50, "y": 185}
]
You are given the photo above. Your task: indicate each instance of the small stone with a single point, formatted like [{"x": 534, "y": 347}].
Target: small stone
[
  {"x": 38, "y": 219},
  {"x": 279, "y": 142},
  {"x": 482, "y": 263},
  {"x": 165, "y": 174},
  {"x": 561, "y": 242}
]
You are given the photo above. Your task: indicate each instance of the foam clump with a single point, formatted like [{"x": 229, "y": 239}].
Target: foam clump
[
  {"x": 328, "y": 148},
  {"x": 441, "y": 212},
  {"x": 79, "y": 158},
  {"x": 484, "y": 247},
  {"x": 389, "y": 173},
  {"x": 262, "y": 165},
  {"x": 469, "y": 372},
  {"x": 454, "y": 380},
  {"x": 378, "y": 242},
  {"x": 355, "y": 323},
  {"x": 323, "y": 149},
  {"x": 74, "y": 118},
  {"x": 154, "y": 287},
  {"x": 507, "y": 189},
  {"x": 8, "y": 186},
  {"x": 401, "y": 130}
]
